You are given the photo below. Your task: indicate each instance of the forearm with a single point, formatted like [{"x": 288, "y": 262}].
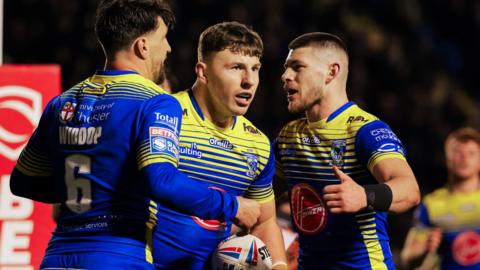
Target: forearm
[
  {"x": 415, "y": 249},
  {"x": 173, "y": 188},
  {"x": 270, "y": 233},
  {"x": 405, "y": 194},
  {"x": 397, "y": 174}
]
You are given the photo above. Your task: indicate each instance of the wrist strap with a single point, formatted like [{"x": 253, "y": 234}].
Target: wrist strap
[{"x": 379, "y": 197}]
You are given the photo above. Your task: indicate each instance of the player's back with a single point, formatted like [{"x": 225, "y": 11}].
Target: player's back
[{"x": 96, "y": 142}]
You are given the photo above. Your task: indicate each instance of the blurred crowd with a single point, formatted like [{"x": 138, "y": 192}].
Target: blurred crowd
[{"x": 413, "y": 63}]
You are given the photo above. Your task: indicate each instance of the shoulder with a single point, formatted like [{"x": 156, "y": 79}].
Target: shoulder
[
  {"x": 134, "y": 88},
  {"x": 182, "y": 97},
  {"x": 356, "y": 117},
  {"x": 163, "y": 100},
  {"x": 437, "y": 195},
  {"x": 294, "y": 126}
]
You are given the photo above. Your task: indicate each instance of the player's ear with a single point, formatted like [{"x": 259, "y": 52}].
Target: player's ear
[
  {"x": 200, "y": 70},
  {"x": 140, "y": 47},
  {"x": 333, "y": 71}
]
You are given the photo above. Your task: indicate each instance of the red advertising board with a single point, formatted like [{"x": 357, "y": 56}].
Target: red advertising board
[{"x": 25, "y": 226}]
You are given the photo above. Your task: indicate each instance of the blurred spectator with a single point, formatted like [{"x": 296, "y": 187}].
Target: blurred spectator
[{"x": 448, "y": 220}]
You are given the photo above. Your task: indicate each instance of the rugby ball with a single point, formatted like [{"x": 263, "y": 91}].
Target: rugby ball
[{"x": 241, "y": 253}]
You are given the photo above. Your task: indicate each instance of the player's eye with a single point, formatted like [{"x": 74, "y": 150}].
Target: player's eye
[{"x": 297, "y": 67}]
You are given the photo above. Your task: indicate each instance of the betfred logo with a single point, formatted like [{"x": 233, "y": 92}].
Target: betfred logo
[
  {"x": 20, "y": 111},
  {"x": 308, "y": 210},
  {"x": 466, "y": 248},
  {"x": 164, "y": 133}
]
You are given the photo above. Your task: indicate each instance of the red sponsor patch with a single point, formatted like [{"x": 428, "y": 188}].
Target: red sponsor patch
[
  {"x": 466, "y": 248},
  {"x": 308, "y": 210}
]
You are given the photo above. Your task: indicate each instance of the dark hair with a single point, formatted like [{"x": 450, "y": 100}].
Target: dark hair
[
  {"x": 463, "y": 135},
  {"x": 321, "y": 39},
  {"x": 119, "y": 22},
  {"x": 235, "y": 36}
]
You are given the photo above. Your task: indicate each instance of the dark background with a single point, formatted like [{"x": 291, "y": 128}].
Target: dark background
[{"x": 413, "y": 63}]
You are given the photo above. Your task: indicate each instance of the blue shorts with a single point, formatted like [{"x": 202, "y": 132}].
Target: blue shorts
[{"x": 93, "y": 261}]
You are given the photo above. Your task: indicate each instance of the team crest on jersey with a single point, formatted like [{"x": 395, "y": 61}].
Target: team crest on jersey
[
  {"x": 68, "y": 111},
  {"x": 338, "y": 151},
  {"x": 252, "y": 163}
]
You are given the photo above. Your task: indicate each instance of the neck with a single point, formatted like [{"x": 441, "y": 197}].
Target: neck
[
  {"x": 210, "y": 112},
  {"x": 326, "y": 106},
  {"x": 465, "y": 185},
  {"x": 123, "y": 61}
]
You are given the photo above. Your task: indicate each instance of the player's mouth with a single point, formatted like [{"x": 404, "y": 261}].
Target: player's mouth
[
  {"x": 243, "y": 99},
  {"x": 291, "y": 93}
]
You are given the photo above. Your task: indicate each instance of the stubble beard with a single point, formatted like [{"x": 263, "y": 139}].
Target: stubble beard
[{"x": 302, "y": 107}]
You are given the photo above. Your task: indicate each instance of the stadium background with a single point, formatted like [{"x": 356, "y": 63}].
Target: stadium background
[{"x": 412, "y": 63}]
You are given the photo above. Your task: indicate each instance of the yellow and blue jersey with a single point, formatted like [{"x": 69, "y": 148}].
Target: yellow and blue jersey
[
  {"x": 458, "y": 215},
  {"x": 237, "y": 160},
  {"x": 110, "y": 146},
  {"x": 355, "y": 141}
]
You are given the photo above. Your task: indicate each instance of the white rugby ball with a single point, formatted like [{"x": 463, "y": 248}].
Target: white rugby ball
[{"x": 241, "y": 253}]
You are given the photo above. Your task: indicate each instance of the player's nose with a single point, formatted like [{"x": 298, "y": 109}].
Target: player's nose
[{"x": 286, "y": 76}]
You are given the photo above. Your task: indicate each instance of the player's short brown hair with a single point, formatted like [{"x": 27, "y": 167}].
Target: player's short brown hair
[
  {"x": 234, "y": 36},
  {"x": 463, "y": 135},
  {"x": 119, "y": 22},
  {"x": 320, "y": 39}
]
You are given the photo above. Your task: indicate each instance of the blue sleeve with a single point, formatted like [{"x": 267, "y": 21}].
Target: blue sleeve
[
  {"x": 158, "y": 131},
  {"x": 32, "y": 176},
  {"x": 376, "y": 139},
  {"x": 174, "y": 189},
  {"x": 261, "y": 189},
  {"x": 157, "y": 157}
]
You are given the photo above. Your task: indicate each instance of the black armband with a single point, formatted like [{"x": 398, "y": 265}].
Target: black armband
[{"x": 379, "y": 197}]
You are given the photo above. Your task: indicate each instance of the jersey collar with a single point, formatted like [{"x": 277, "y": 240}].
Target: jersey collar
[
  {"x": 340, "y": 110},
  {"x": 200, "y": 113},
  {"x": 112, "y": 72},
  {"x": 323, "y": 122}
]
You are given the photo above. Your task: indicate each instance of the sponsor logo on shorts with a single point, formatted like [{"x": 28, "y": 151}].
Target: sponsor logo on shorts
[
  {"x": 466, "y": 248},
  {"x": 308, "y": 209}
]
